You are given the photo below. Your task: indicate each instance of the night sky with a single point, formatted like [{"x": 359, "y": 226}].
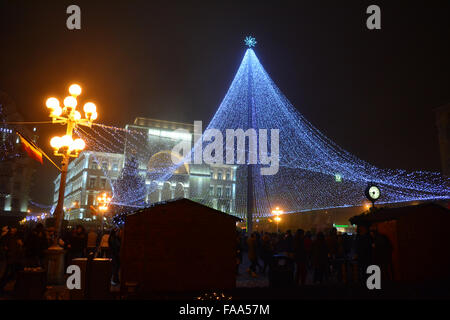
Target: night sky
[{"x": 372, "y": 92}]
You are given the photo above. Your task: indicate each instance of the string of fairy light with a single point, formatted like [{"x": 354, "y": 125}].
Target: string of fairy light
[
  {"x": 309, "y": 161},
  {"x": 314, "y": 172}
]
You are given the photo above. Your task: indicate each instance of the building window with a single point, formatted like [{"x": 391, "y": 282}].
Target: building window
[
  {"x": 228, "y": 175},
  {"x": 211, "y": 190},
  {"x": 92, "y": 183},
  {"x": 219, "y": 175},
  {"x": 90, "y": 200},
  {"x": 212, "y": 174},
  {"x": 105, "y": 165},
  {"x": 115, "y": 166},
  {"x": 103, "y": 183},
  {"x": 94, "y": 165},
  {"x": 219, "y": 192},
  {"x": 228, "y": 192}
]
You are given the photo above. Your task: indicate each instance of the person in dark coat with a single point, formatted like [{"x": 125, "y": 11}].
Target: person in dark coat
[
  {"x": 363, "y": 251},
  {"x": 35, "y": 246},
  {"x": 289, "y": 243},
  {"x": 13, "y": 247},
  {"x": 300, "y": 256},
  {"x": 332, "y": 245},
  {"x": 320, "y": 258},
  {"x": 266, "y": 251},
  {"x": 308, "y": 248},
  {"x": 77, "y": 243},
  {"x": 114, "y": 241},
  {"x": 252, "y": 254}
]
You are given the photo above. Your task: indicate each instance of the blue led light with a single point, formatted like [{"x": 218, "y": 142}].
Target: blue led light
[
  {"x": 314, "y": 172},
  {"x": 250, "y": 41}
]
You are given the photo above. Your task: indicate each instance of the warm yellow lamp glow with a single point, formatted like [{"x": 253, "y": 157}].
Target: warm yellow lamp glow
[
  {"x": 56, "y": 112},
  {"x": 66, "y": 141},
  {"x": 78, "y": 144},
  {"x": 90, "y": 108},
  {"x": 75, "y": 90},
  {"x": 93, "y": 115},
  {"x": 56, "y": 142},
  {"x": 52, "y": 103},
  {"x": 70, "y": 102},
  {"x": 77, "y": 115},
  {"x": 277, "y": 211}
]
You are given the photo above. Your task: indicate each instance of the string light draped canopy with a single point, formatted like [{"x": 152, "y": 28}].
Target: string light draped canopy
[{"x": 314, "y": 172}]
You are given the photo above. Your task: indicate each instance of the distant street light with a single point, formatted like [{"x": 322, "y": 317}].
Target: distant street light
[
  {"x": 277, "y": 213},
  {"x": 103, "y": 202},
  {"x": 67, "y": 148}
]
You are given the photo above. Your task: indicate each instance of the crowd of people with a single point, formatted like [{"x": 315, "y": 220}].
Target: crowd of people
[
  {"x": 324, "y": 256},
  {"x": 25, "y": 247}
]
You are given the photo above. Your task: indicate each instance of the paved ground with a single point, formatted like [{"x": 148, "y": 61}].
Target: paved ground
[
  {"x": 245, "y": 280},
  {"x": 249, "y": 287}
]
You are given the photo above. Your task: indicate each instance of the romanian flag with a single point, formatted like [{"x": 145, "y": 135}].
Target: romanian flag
[{"x": 30, "y": 148}]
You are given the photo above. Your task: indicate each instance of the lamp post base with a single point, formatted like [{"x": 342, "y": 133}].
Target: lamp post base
[{"x": 55, "y": 265}]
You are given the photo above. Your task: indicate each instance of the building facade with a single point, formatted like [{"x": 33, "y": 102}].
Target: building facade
[
  {"x": 212, "y": 185},
  {"x": 88, "y": 176},
  {"x": 151, "y": 143},
  {"x": 16, "y": 167}
]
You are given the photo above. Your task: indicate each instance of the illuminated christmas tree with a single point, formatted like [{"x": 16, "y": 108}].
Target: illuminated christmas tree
[
  {"x": 129, "y": 190},
  {"x": 314, "y": 172}
]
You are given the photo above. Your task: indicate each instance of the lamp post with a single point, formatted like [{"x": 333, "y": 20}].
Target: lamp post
[
  {"x": 67, "y": 148},
  {"x": 277, "y": 213},
  {"x": 103, "y": 202}
]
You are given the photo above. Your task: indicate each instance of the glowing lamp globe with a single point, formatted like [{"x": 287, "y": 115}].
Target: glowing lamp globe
[
  {"x": 75, "y": 90},
  {"x": 52, "y": 103},
  {"x": 93, "y": 115},
  {"x": 56, "y": 142},
  {"x": 56, "y": 112},
  {"x": 66, "y": 141},
  {"x": 70, "y": 102},
  {"x": 89, "y": 108},
  {"x": 78, "y": 144},
  {"x": 77, "y": 115}
]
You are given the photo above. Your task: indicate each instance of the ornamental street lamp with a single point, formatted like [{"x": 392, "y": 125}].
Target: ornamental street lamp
[
  {"x": 277, "y": 213},
  {"x": 67, "y": 148}
]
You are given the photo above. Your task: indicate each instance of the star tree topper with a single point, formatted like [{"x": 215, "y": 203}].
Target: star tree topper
[{"x": 250, "y": 41}]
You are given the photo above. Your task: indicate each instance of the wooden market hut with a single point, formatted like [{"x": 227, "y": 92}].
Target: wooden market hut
[
  {"x": 178, "y": 246},
  {"x": 420, "y": 239}
]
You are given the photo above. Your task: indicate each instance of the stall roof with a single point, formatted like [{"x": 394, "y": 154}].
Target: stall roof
[
  {"x": 168, "y": 203},
  {"x": 385, "y": 214}
]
